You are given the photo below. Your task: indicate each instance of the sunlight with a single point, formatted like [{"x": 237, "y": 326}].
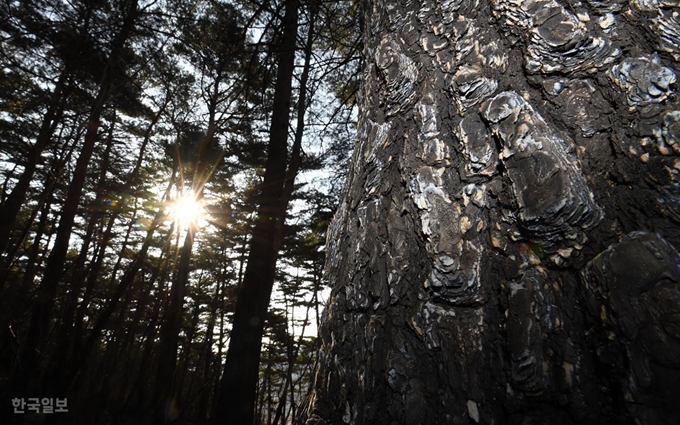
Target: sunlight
[{"x": 186, "y": 209}]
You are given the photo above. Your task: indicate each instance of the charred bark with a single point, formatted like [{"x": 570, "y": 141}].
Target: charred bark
[{"x": 506, "y": 247}]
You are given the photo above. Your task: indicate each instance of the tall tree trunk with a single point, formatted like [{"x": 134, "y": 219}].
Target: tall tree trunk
[
  {"x": 12, "y": 205},
  {"x": 130, "y": 351},
  {"x": 89, "y": 279},
  {"x": 289, "y": 382},
  {"x": 12, "y": 254},
  {"x": 166, "y": 381},
  {"x": 66, "y": 333},
  {"x": 506, "y": 246},
  {"x": 236, "y": 399},
  {"x": 14, "y": 301},
  {"x": 82, "y": 351},
  {"x": 137, "y": 392},
  {"x": 12, "y": 304},
  {"x": 206, "y": 356},
  {"x": 47, "y": 289}
]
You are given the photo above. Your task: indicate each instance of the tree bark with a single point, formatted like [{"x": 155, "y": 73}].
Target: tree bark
[
  {"x": 506, "y": 247},
  {"x": 236, "y": 398}
]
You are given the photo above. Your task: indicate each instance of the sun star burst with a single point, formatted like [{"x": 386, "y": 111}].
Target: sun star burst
[{"x": 186, "y": 209}]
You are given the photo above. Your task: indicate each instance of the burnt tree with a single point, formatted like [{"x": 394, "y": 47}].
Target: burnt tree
[{"x": 506, "y": 246}]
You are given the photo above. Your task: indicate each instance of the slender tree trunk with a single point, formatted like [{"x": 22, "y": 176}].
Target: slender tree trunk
[
  {"x": 166, "y": 381},
  {"x": 289, "y": 383},
  {"x": 12, "y": 205},
  {"x": 66, "y": 338},
  {"x": 97, "y": 263},
  {"x": 46, "y": 291},
  {"x": 266, "y": 408},
  {"x": 166, "y": 391},
  {"x": 89, "y": 278},
  {"x": 206, "y": 358},
  {"x": 81, "y": 352},
  {"x": 15, "y": 300},
  {"x": 506, "y": 247},
  {"x": 130, "y": 273},
  {"x": 11, "y": 314},
  {"x": 130, "y": 350},
  {"x": 137, "y": 391},
  {"x": 186, "y": 352},
  {"x": 12, "y": 252},
  {"x": 219, "y": 358},
  {"x": 236, "y": 399}
]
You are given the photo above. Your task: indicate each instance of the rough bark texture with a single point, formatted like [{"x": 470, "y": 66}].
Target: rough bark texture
[{"x": 506, "y": 247}]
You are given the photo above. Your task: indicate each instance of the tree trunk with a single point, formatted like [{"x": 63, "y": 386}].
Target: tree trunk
[
  {"x": 137, "y": 392},
  {"x": 12, "y": 205},
  {"x": 82, "y": 351},
  {"x": 66, "y": 333},
  {"x": 166, "y": 381},
  {"x": 236, "y": 399},
  {"x": 505, "y": 250},
  {"x": 14, "y": 301},
  {"x": 55, "y": 263},
  {"x": 93, "y": 274},
  {"x": 205, "y": 360}
]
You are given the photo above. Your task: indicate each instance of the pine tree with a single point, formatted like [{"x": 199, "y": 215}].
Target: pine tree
[{"x": 505, "y": 250}]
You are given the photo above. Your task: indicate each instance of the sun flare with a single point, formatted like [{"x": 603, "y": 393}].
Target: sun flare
[{"x": 186, "y": 209}]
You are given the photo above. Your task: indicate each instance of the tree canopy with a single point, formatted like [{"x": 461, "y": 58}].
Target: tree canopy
[{"x": 137, "y": 140}]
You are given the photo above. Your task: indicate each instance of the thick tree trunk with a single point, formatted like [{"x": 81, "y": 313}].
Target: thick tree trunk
[{"x": 505, "y": 248}]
